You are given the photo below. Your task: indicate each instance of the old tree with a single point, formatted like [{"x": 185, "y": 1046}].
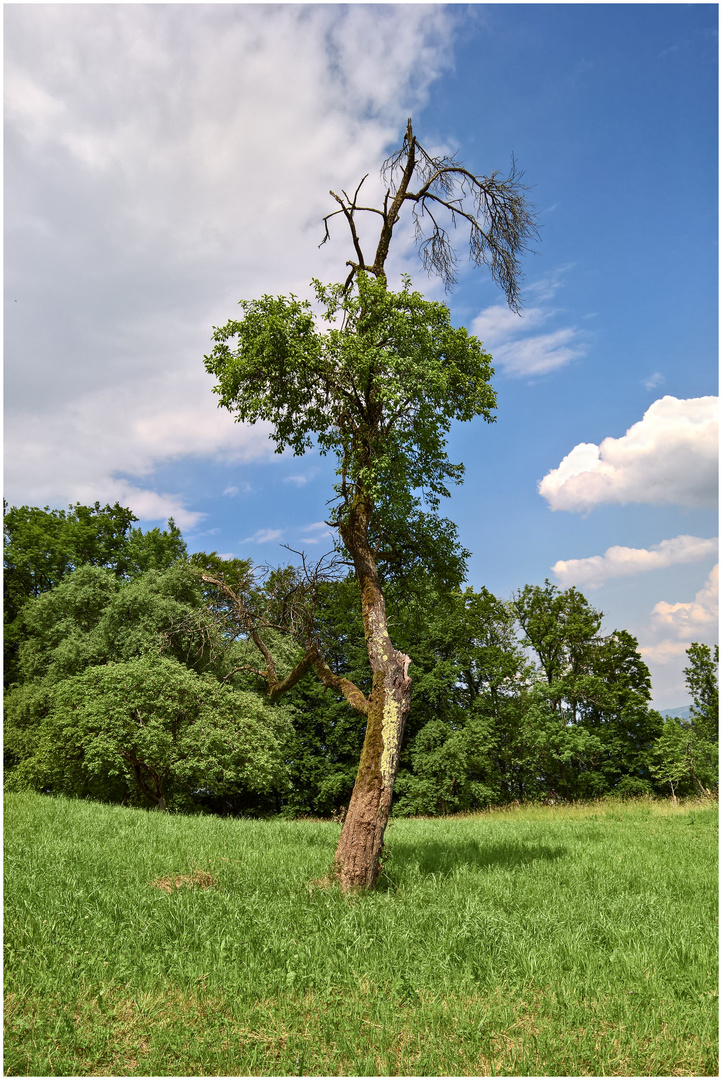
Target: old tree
[{"x": 377, "y": 382}]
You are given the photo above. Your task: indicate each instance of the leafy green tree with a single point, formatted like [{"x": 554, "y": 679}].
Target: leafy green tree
[
  {"x": 617, "y": 710},
  {"x": 599, "y": 688},
  {"x": 468, "y": 698},
  {"x": 328, "y": 736},
  {"x": 670, "y": 766},
  {"x": 157, "y": 728},
  {"x": 684, "y": 759},
  {"x": 41, "y": 547},
  {"x": 380, "y": 392},
  {"x": 378, "y": 386},
  {"x": 703, "y": 686},
  {"x": 559, "y": 626},
  {"x": 560, "y": 754},
  {"x": 92, "y": 619},
  {"x": 452, "y": 770},
  {"x": 685, "y": 755}
]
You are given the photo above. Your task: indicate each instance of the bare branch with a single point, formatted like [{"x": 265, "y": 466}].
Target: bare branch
[
  {"x": 501, "y": 220},
  {"x": 291, "y": 594}
]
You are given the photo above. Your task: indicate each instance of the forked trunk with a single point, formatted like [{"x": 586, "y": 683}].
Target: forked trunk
[
  {"x": 362, "y": 837},
  {"x": 356, "y": 862}
]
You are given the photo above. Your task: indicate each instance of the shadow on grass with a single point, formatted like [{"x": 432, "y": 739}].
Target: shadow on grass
[{"x": 435, "y": 857}]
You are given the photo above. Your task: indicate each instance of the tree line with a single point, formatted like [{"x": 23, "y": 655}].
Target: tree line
[{"x": 133, "y": 676}]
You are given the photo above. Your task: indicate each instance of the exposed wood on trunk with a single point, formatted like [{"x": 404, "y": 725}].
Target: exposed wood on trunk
[{"x": 361, "y": 842}]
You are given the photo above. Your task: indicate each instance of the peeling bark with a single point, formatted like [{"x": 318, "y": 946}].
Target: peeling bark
[{"x": 356, "y": 862}]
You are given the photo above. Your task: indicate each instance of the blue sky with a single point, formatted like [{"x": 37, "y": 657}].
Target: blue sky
[{"x": 165, "y": 161}]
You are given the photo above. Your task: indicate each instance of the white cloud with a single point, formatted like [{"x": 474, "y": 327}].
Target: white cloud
[
  {"x": 693, "y": 621},
  {"x": 299, "y": 481},
  {"x": 146, "y": 505},
  {"x": 624, "y": 561},
  {"x": 546, "y": 288},
  {"x": 669, "y": 456},
  {"x": 671, "y": 630},
  {"x": 231, "y": 490},
  {"x": 264, "y": 536},
  {"x": 161, "y": 162},
  {"x": 654, "y": 380},
  {"x": 539, "y": 353},
  {"x": 515, "y": 348},
  {"x": 88, "y": 450},
  {"x": 664, "y": 652},
  {"x": 319, "y": 531}
]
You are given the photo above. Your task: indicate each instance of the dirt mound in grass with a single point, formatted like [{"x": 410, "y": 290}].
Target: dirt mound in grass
[{"x": 199, "y": 879}]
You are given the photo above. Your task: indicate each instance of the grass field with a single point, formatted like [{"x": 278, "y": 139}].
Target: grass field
[{"x": 579, "y": 941}]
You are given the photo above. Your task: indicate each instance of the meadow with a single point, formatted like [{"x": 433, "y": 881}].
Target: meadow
[{"x": 538, "y": 941}]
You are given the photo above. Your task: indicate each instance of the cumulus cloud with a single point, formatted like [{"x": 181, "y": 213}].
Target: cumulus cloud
[
  {"x": 671, "y": 630},
  {"x": 664, "y": 652},
  {"x": 620, "y": 561},
  {"x": 693, "y": 621},
  {"x": 669, "y": 456},
  {"x": 101, "y": 445},
  {"x": 163, "y": 161},
  {"x": 518, "y": 348}
]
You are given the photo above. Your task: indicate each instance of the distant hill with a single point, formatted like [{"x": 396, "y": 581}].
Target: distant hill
[{"x": 678, "y": 714}]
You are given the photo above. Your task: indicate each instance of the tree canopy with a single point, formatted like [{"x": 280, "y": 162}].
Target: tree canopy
[
  {"x": 126, "y": 690},
  {"x": 378, "y": 385},
  {"x": 42, "y": 546}
]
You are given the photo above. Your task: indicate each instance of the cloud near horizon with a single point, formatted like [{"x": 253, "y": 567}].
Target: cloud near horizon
[
  {"x": 619, "y": 561},
  {"x": 669, "y": 633},
  {"x": 693, "y": 621},
  {"x": 669, "y": 456}
]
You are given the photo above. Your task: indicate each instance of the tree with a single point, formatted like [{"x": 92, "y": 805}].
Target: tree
[
  {"x": 686, "y": 753},
  {"x": 470, "y": 685},
  {"x": 616, "y": 709},
  {"x": 684, "y": 759},
  {"x": 164, "y": 730},
  {"x": 92, "y": 618},
  {"x": 95, "y": 642},
  {"x": 41, "y": 547},
  {"x": 378, "y": 388},
  {"x": 559, "y": 626},
  {"x": 702, "y": 684},
  {"x": 591, "y": 723}
]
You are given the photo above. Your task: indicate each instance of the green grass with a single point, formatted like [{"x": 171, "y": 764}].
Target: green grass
[{"x": 577, "y": 941}]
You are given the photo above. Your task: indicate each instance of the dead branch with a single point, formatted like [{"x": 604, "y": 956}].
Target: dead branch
[
  {"x": 500, "y": 218},
  {"x": 292, "y": 596}
]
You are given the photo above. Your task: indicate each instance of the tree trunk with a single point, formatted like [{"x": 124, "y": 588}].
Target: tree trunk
[
  {"x": 356, "y": 862},
  {"x": 156, "y": 796},
  {"x": 361, "y": 842}
]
